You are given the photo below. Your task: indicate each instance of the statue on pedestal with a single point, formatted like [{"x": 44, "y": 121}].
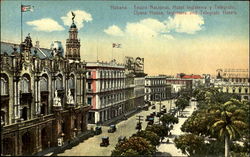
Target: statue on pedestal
[
  {"x": 70, "y": 99},
  {"x": 57, "y": 100}
]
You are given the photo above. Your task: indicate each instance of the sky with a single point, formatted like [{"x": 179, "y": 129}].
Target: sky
[{"x": 191, "y": 37}]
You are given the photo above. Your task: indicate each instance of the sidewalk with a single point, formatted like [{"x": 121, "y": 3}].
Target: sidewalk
[
  {"x": 170, "y": 147},
  {"x": 55, "y": 150}
]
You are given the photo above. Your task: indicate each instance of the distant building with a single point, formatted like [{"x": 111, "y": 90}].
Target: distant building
[
  {"x": 179, "y": 84},
  {"x": 233, "y": 81},
  {"x": 156, "y": 88},
  {"x": 197, "y": 80}
]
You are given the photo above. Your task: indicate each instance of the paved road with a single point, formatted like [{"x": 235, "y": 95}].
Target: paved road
[
  {"x": 170, "y": 147},
  {"x": 91, "y": 146}
]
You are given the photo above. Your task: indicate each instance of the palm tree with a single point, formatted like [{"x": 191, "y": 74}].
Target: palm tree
[{"x": 228, "y": 121}]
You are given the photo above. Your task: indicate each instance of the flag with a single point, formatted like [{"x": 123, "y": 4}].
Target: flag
[
  {"x": 25, "y": 8},
  {"x": 115, "y": 45}
]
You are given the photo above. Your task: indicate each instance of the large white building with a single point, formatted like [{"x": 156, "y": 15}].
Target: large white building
[{"x": 105, "y": 90}]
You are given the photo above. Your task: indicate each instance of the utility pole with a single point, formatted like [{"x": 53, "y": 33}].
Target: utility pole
[{"x": 138, "y": 126}]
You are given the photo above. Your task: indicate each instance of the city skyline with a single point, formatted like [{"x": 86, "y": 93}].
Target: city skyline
[{"x": 169, "y": 44}]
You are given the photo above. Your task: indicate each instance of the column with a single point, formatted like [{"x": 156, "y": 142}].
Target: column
[
  {"x": 36, "y": 95},
  {"x": 39, "y": 95},
  {"x": 15, "y": 100},
  {"x": 97, "y": 117}
]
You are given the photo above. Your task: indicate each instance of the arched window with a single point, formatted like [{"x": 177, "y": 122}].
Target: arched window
[
  {"x": 71, "y": 82},
  {"x": 59, "y": 82},
  {"x": 25, "y": 84},
  {"x": 4, "y": 85},
  {"x": 246, "y": 90},
  {"x": 44, "y": 83}
]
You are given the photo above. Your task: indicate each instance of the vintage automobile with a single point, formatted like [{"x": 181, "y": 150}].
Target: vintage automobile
[
  {"x": 151, "y": 121},
  {"x": 105, "y": 141},
  {"x": 121, "y": 138},
  {"x": 112, "y": 128},
  {"x": 98, "y": 130},
  {"x": 148, "y": 117}
]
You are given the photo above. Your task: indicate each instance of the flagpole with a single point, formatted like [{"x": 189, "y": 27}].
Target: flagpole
[
  {"x": 112, "y": 52},
  {"x": 21, "y": 23}
]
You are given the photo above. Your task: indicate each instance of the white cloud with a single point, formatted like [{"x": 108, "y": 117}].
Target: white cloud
[
  {"x": 148, "y": 28},
  {"x": 46, "y": 25},
  {"x": 114, "y": 30},
  {"x": 80, "y": 18},
  {"x": 185, "y": 23},
  {"x": 154, "y": 24}
]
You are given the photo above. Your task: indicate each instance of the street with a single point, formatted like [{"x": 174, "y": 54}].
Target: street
[
  {"x": 91, "y": 146},
  {"x": 170, "y": 147}
]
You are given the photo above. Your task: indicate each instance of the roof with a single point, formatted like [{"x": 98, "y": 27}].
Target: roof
[
  {"x": 41, "y": 52},
  {"x": 192, "y": 77}
]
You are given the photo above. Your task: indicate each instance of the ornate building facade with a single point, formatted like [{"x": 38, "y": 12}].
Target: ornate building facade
[{"x": 43, "y": 98}]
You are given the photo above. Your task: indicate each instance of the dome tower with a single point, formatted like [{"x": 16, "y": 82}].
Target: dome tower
[{"x": 72, "y": 43}]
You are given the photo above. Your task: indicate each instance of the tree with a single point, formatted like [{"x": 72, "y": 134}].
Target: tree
[
  {"x": 228, "y": 121},
  {"x": 168, "y": 119},
  {"x": 150, "y": 136},
  {"x": 134, "y": 146},
  {"x": 158, "y": 129},
  {"x": 190, "y": 144},
  {"x": 197, "y": 123},
  {"x": 181, "y": 103}
]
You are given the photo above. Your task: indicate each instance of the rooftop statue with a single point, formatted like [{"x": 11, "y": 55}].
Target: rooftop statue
[{"x": 73, "y": 14}]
